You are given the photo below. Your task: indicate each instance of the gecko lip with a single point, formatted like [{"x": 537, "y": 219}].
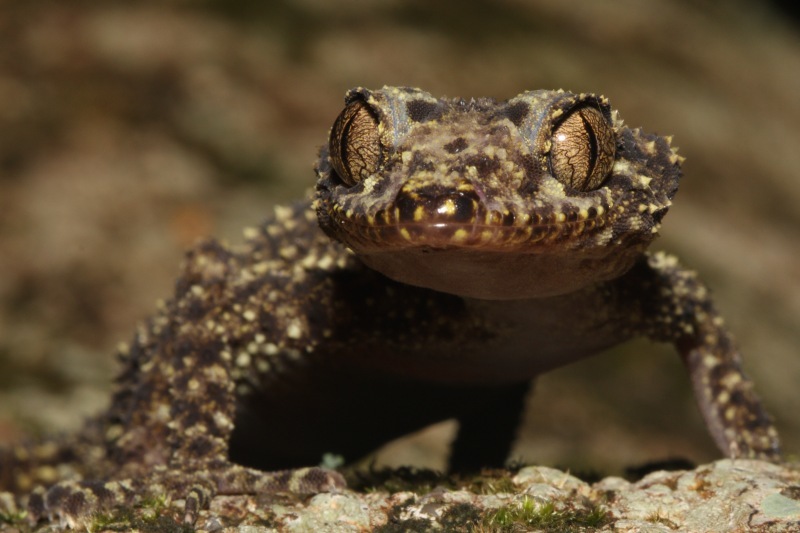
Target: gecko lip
[{"x": 429, "y": 218}]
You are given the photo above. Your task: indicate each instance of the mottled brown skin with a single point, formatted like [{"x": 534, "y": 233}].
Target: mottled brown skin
[{"x": 466, "y": 247}]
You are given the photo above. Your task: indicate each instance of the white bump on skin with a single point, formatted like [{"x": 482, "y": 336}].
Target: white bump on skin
[
  {"x": 294, "y": 330},
  {"x": 730, "y": 381},
  {"x": 163, "y": 412},
  {"x": 270, "y": 349},
  {"x": 222, "y": 422},
  {"x": 288, "y": 252}
]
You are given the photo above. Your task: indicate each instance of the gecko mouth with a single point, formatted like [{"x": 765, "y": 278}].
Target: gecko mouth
[{"x": 433, "y": 219}]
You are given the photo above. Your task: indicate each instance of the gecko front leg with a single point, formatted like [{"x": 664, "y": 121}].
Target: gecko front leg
[
  {"x": 678, "y": 309},
  {"x": 168, "y": 430}
]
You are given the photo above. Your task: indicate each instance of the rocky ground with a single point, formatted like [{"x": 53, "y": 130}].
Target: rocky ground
[{"x": 721, "y": 497}]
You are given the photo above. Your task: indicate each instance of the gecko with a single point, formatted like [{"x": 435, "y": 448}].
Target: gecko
[{"x": 453, "y": 250}]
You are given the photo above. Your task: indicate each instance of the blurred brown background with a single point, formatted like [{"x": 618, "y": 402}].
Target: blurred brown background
[{"x": 130, "y": 129}]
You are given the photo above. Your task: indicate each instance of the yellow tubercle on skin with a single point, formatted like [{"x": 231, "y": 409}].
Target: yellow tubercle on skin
[
  {"x": 460, "y": 235},
  {"x": 676, "y": 159},
  {"x": 448, "y": 207}
]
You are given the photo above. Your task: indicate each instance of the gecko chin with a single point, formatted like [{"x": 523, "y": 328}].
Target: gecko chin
[{"x": 492, "y": 275}]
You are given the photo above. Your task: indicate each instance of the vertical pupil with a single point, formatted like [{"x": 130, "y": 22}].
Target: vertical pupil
[
  {"x": 344, "y": 146},
  {"x": 592, "y": 144}
]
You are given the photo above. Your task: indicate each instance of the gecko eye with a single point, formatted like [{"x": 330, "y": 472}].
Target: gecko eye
[
  {"x": 355, "y": 147},
  {"x": 582, "y": 149}
]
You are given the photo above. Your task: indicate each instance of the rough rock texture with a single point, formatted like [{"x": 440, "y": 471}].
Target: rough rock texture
[{"x": 724, "y": 496}]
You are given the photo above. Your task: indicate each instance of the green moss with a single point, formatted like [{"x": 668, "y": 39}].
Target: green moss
[
  {"x": 149, "y": 516},
  {"x": 115, "y": 520},
  {"x": 546, "y": 517},
  {"x": 12, "y": 518},
  {"x": 491, "y": 482},
  {"x": 656, "y": 518}
]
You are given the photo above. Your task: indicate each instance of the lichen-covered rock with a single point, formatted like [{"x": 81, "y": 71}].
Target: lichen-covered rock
[
  {"x": 728, "y": 495},
  {"x": 725, "y": 496}
]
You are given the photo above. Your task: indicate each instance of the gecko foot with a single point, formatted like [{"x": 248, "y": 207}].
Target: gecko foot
[{"x": 74, "y": 504}]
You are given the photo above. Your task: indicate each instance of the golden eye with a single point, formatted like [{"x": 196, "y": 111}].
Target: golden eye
[
  {"x": 582, "y": 149},
  {"x": 355, "y": 147}
]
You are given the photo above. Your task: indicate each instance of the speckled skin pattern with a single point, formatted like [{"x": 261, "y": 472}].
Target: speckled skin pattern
[{"x": 455, "y": 250}]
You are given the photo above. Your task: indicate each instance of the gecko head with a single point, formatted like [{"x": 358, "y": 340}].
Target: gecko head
[{"x": 539, "y": 195}]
